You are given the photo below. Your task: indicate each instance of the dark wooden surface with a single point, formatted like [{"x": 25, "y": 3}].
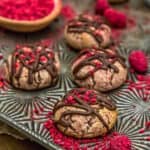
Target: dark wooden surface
[{"x": 8, "y": 142}]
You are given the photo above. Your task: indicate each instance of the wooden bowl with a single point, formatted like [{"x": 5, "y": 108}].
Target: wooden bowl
[{"x": 31, "y": 26}]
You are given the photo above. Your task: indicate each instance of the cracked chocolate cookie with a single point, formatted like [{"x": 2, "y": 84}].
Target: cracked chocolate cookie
[
  {"x": 32, "y": 68},
  {"x": 88, "y": 31},
  {"x": 98, "y": 69},
  {"x": 85, "y": 114}
]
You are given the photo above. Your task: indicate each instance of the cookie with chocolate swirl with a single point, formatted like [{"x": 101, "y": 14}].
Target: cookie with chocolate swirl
[
  {"x": 32, "y": 68},
  {"x": 88, "y": 31},
  {"x": 99, "y": 69},
  {"x": 85, "y": 114}
]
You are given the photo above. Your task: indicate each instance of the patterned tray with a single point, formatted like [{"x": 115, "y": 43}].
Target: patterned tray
[{"x": 17, "y": 108}]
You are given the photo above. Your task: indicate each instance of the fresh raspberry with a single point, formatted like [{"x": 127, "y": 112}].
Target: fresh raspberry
[
  {"x": 68, "y": 12},
  {"x": 138, "y": 61},
  {"x": 101, "y": 6},
  {"x": 116, "y": 18}
]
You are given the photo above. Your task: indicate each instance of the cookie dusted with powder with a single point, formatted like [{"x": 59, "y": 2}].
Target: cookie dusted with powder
[
  {"x": 98, "y": 69},
  {"x": 85, "y": 114},
  {"x": 88, "y": 31},
  {"x": 32, "y": 68}
]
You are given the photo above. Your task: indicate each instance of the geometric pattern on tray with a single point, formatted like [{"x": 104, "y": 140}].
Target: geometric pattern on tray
[{"x": 27, "y": 111}]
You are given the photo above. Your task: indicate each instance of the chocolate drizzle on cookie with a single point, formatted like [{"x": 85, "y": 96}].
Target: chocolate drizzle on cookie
[
  {"x": 86, "y": 108},
  {"x": 88, "y": 24},
  {"x": 32, "y": 62},
  {"x": 105, "y": 60}
]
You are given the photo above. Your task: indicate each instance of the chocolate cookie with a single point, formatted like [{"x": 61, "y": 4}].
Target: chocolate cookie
[
  {"x": 32, "y": 68},
  {"x": 85, "y": 114},
  {"x": 88, "y": 31},
  {"x": 98, "y": 69}
]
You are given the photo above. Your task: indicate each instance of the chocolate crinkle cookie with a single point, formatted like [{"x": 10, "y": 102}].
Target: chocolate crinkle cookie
[
  {"x": 88, "y": 31},
  {"x": 32, "y": 68},
  {"x": 85, "y": 113},
  {"x": 99, "y": 69}
]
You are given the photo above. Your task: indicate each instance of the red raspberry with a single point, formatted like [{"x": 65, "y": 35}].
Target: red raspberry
[
  {"x": 138, "y": 61},
  {"x": 68, "y": 12},
  {"x": 101, "y": 6},
  {"x": 116, "y": 18}
]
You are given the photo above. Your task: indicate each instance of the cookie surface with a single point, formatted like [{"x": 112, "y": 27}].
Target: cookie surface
[
  {"x": 88, "y": 31},
  {"x": 85, "y": 114},
  {"x": 102, "y": 70},
  {"x": 32, "y": 68}
]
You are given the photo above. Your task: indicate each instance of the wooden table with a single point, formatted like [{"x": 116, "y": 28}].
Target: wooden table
[
  {"x": 16, "y": 141},
  {"x": 10, "y": 143}
]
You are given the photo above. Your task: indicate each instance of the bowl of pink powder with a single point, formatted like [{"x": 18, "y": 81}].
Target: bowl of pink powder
[{"x": 28, "y": 15}]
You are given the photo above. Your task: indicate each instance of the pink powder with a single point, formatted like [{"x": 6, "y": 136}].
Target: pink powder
[{"x": 25, "y": 9}]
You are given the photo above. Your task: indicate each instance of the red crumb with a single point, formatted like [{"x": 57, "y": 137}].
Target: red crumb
[
  {"x": 1, "y": 56},
  {"x": 141, "y": 130},
  {"x": 43, "y": 59},
  {"x": 116, "y": 35},
  {"x": 142, "y": 83},
  {"x": 138, "y": 61},
  {"x": 91, "y": 72},
  {"x": 3, "y": 81},
  {"x": 127, "y": 7},
  {"x": 116, "y": 18},
  {"x": 67, "y": 143},
  {"x": 37, "y": 110},
  {"x": 108, "y": 142},
  {"x": 68, "y": 12},
  {"x": 147, "y": 124},
  {"x": 148, "y": 138},
  {"x": 131, "y": 22},
  {"x": 120, "y": 142},
  {"x": 46, "y": 42},
  {"x": 131, "y": 70},
  {"x": 89, "y": 96},
  {"x": 49, "y": 114},
  {"x": 101, "y": 6}
]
